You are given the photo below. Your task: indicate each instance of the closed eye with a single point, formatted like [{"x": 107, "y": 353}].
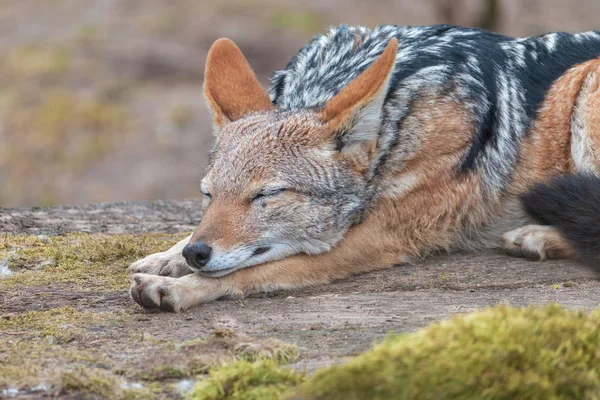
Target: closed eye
[
  {"x": 268, "y": 193},
  {"x": 204, "y": 189}
]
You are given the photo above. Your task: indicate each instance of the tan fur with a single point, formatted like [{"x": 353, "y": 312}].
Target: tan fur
[
  {"x": 349, "y": 258},
  {"x": 431, "y": 208},
  {"x": 546, "y": 151},
  {"x": 385, "y": 238},
  {"x": 221, "y": 226},
  {"x": 424, "y": 204},
  {"x": 393, "y": 232},
  {"x": 230, "y": 86},
  {"x": 438, "y": 118}
]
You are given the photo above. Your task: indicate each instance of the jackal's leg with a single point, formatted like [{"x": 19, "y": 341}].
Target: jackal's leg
[
  {"x": 167, "y": 263},
  {"x": 537, "y": 242},
  {"x": 366, "y": 247}
]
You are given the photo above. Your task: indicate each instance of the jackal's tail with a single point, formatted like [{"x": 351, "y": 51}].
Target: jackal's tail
[{"x": 572, "y": 205}]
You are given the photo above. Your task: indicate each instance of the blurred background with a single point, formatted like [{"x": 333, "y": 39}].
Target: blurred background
[{"x": 101, "y": 100}]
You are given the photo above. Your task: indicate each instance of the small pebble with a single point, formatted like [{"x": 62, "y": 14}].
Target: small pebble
[
  {"x": 46, "y": 263},
  {"x": 42, "y": 387},
  {"x": 43, "y": 238},
  {"x": 10, "y": 392},
  {"x": 185, "y": 386},
  {"x": 4, "y": 270},
  {"x": 131, "y": 385}
]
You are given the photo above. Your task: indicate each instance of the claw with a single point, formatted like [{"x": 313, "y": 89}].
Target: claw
[
  {"x": 166, "y": 305},
  {"x": 137, "y": 279},
  {"x": 147, "y": 301}
]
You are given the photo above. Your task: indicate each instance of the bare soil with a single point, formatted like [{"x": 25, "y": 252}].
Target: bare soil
[{"x": 326, "y": 323}]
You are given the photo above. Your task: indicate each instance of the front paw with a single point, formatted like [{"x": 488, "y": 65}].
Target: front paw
[
  {"x": 157, "y": 292},
  {"x": 163, "y": 264}
]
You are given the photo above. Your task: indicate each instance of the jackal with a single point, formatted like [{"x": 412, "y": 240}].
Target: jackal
[{"x": 376, "y": 147}]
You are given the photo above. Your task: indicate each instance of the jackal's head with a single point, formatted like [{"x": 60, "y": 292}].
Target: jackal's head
[{"x": 282, "y": 182}]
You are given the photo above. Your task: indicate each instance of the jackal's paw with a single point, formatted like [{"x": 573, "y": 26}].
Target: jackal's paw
[
  {"x": 163, "y": 264},
  {"x": 536, "y": 242},
  {"x": 152, "y": 292},
  {"x": 177, "y": 294}
]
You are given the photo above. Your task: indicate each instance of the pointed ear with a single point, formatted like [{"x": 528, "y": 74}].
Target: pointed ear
[
  {"x": 230, "y": 86},
  {"x": 356, "y": 111}
]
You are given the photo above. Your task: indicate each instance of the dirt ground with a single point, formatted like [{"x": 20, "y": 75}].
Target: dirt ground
[{"x": 164, "y": 352}]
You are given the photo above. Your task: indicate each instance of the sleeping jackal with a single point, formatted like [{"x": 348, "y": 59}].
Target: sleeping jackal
[{"x": 373, "y": 147}]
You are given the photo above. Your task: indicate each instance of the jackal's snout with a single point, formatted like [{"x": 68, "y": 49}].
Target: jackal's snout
[{"x": 197, "y": 254}]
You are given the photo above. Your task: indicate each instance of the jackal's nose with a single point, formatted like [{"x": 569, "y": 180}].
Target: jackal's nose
[{"x": 197, "y": 254}]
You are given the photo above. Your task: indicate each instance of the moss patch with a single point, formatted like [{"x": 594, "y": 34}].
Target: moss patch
[
  {"x": 244, "y": 380},
  {"x": 86, "y": 367},
  {"x": 98, "y": 383},
  {"x": 63, "y": 324},
  {"x": 29, "y": 362},
  {"x": 181, "y": 360},
  {"x": 58, "y": 330},
  {"x": 500, "y": 353},
  {"x": 86, "y": 353},
  {"x": 95, "y": 262}
]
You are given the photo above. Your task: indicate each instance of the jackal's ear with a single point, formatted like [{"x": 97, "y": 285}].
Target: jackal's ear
[
  {"x": 230, "y": 86},
  {"x": 355, "y": 112}
]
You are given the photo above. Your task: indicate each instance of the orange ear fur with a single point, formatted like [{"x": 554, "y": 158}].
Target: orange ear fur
[{"x": 230, "y": 86}]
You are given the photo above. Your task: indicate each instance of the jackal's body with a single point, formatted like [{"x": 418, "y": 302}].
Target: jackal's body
[
  {"x": 375, "y": 146},
  {"x": 502, "y": 80}
]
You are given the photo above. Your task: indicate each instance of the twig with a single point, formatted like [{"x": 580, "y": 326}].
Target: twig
[{"x": 99, "y": 341}]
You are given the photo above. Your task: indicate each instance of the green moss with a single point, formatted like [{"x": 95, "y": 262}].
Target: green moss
[
  {"x": 72, "y": 348},
  {"x": 93, "y": 262},
  {"x": 254, "y": 376},
  {"x": 77, "y": 373},
  {"x": 89, "y": 383},
  {"x": 29, "y": 362},
  {"x": 161, "y": 372},
  {"x": 63, "y": 324},
  {"x": 500, "y": 353},
  {"x": 271, "y": 349},
  {"x": 98, "y": 383},
  {"x": 195, "y": 357},
  {"x": 243, "y": 380}
]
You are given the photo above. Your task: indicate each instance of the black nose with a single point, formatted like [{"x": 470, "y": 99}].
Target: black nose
[{"x": 197, "y": 254}]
